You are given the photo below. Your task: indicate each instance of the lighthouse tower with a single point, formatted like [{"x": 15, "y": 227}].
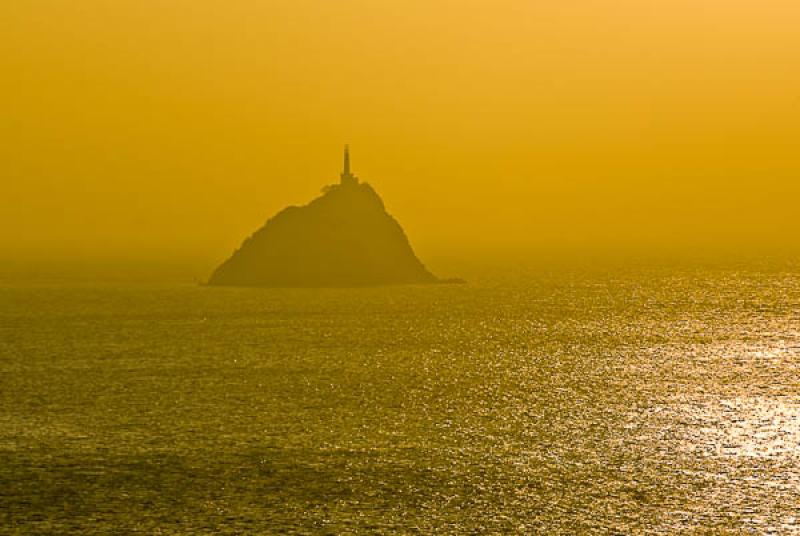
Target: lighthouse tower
[{"x": 347, "y": 178}]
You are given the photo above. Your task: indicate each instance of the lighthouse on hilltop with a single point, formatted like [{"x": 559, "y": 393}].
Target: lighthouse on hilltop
[{"x": 347, "y": 178}]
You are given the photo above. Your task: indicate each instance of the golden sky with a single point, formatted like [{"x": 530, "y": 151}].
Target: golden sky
[{"x": 144, "y": 129}]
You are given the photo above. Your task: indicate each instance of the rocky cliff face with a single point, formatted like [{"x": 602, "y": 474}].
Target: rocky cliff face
[{"x": 343, "y": 238}]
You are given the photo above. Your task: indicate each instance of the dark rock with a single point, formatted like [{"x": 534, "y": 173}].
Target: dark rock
[{"x": 343, "y": 238}]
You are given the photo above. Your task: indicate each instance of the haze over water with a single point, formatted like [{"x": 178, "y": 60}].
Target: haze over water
[
  {"x": 630, "y": 401},
  {"x": 168, "y": 131}
]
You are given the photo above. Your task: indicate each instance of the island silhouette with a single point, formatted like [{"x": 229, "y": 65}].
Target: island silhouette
[{"x": 343, "y": 238}]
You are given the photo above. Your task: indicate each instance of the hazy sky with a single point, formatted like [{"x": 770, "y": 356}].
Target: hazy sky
[{"x": 144, "y": 129}]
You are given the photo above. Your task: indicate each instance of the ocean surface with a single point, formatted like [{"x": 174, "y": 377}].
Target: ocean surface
[{"x": 647, "y": 401}]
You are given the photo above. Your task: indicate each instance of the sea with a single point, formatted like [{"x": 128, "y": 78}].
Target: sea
[{"x": 625, "y": 401}]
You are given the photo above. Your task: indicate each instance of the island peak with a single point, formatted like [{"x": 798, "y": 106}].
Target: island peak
[{"x": 344, "y": 237}]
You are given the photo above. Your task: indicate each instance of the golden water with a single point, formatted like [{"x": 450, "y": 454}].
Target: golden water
[{"x": 647, "y": 401}]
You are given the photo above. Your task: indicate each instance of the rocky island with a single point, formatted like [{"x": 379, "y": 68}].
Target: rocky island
[{"x": 343, "y": 238}]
